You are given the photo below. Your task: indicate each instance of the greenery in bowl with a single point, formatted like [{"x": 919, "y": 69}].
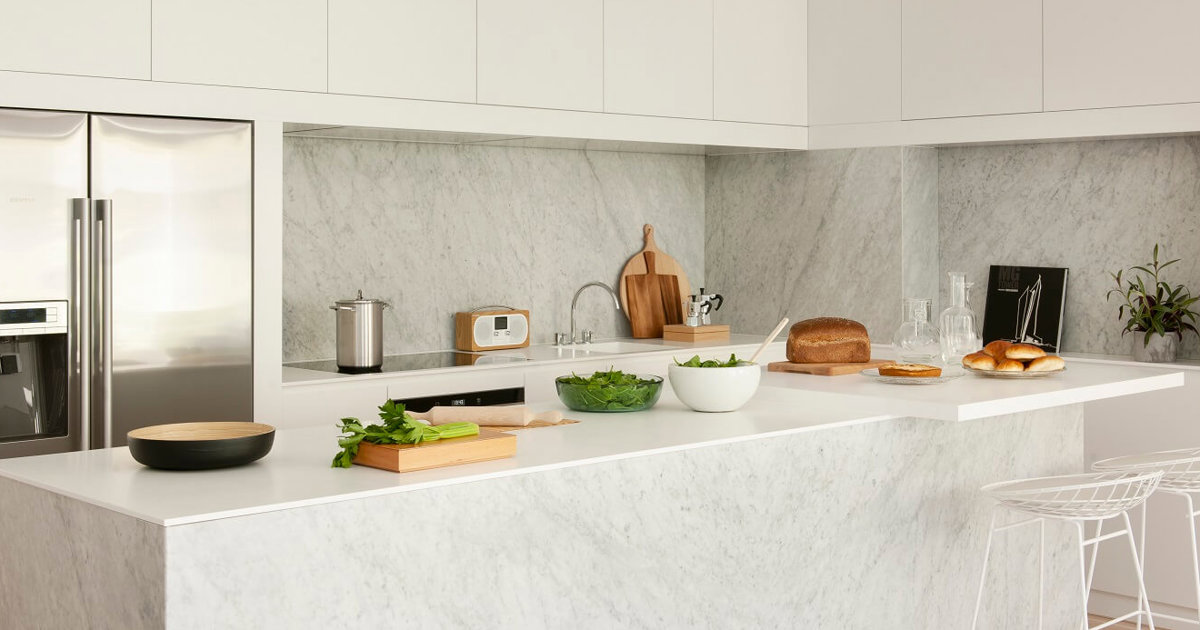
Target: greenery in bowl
[
  {"x": 609, "y": 391},
  {"x": 1151, "y": 305},
  {"x": 695, "y": 362}
]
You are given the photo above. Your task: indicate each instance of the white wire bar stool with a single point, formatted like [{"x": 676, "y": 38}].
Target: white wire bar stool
[
  {"x": 1181, "y": 478},
  {"x": 1078, "y": 499}
]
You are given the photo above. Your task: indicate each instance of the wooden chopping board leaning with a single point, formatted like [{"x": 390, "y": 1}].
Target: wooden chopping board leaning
[{"x": 651, "y": 289}]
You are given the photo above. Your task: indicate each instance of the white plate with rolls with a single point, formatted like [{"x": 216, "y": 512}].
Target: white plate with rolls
[{"x": 1001, "y": 359}]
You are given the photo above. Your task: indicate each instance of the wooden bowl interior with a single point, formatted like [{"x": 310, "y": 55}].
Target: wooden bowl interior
[{"x": 198, "y": 431}]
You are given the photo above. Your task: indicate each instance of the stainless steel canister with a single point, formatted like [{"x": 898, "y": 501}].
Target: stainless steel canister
[{"x": 359, "y": 333}]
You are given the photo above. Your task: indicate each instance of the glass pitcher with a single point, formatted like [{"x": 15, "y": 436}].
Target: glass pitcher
[
  {"x": 917, "y": 339},
  {"x": 960, "y": 335}
]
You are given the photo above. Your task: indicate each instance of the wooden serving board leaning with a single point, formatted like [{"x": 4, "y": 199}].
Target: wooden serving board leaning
[
  {"x": 486, "y": 446},
  {"x": 651, "y": 289},
  {"x": 825, "y": 369}
]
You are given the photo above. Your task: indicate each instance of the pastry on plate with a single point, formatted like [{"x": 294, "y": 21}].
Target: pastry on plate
[
  {"x": 1048, "y": 363},
  {"x": 1024, "y": 352},
  {"x": 996, "y": 349},
  {"x": 979, "y": 361},
  {"x": 910, "y": 369},
  {"x": 1010, "y": 365}
]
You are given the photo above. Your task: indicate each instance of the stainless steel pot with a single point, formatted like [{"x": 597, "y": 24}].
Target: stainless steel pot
[{"x": 359, "y": 333}]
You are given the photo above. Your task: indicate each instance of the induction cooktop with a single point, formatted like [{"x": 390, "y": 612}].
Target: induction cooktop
[{"x": 417, "y": 361}]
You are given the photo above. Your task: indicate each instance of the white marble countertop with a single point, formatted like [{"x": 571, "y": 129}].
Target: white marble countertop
[
  {"x": 601, "y": 350},
  {"x": 296, "y": 473}
]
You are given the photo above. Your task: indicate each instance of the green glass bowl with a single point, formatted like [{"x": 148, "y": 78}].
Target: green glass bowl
[{"x": 637, "y": 397}]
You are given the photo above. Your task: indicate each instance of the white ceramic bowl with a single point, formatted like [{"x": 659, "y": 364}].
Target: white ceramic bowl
[{"x": 715, "y": 388}]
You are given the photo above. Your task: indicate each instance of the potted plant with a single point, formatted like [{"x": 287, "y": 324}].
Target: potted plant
[{"x": 1156, "y": 309}]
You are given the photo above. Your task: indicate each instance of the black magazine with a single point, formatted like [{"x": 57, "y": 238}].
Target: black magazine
[{"x": 1025, "y": 305}]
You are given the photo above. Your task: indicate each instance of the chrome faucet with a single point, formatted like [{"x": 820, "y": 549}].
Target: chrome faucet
[{"x": 587, "y": 334}]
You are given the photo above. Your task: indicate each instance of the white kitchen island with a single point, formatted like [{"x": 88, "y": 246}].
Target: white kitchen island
[{"x": 824, "y": 503}]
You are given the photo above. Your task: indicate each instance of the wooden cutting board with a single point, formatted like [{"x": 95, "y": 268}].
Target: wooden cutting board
[
  {"x": 487, "y": 445},
  {"x": 825, "y": 369},
  {"x": 664, "y": 265},
  {"x": 654, "y": 301}
]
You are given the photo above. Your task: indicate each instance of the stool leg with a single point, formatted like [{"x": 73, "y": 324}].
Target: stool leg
[
  {"x": 1083, "y": 578},
  {"x": 1191, "y": 519},
  {"x": 1041, "y": 568},
  {"x": 987, "y": 553},
  {"x": 1137, "y": 564},
  {"x": 1142, "y": 556},
  {"x": 1095, "y": 552}
]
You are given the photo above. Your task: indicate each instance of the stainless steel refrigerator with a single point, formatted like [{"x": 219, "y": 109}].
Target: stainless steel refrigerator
[{"x": 125, "y": 276}]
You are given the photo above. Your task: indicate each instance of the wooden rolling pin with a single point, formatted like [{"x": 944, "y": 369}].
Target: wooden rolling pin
[{"x": 514, "y": 416}]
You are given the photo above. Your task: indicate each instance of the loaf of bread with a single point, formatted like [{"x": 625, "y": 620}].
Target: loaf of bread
[{"x": 828, "y": 340}]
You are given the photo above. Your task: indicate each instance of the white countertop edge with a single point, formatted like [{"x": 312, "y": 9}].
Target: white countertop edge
[
  {"x": 1034, "y": 402},
  {"x": 499, "y": 474}
]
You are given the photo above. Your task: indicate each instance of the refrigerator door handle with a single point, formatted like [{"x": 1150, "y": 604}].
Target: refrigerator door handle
[
  {"x": 81, "y": 315},
  {"x": 104, "y": 327}
]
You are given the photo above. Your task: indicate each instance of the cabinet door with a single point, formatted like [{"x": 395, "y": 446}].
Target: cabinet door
[
  {"x": 1111, "y": 53},
  {"x": 542, "y": 53},
  {"x": 854, "y": 61},
  {"x": 658, "y": 57},
  {"x": 971, "y": 57},
  {"x": 405, "y": 48},
  {"x": 277, "y": 44},
  {"x": 102, "y": 39},
  {"x": 760, "y": 61}
]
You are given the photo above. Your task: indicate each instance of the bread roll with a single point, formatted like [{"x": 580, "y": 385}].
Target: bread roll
[
  {"x": 979, "y": 361},
  {"x": 996, "y": 349},
  {"x": 828, "y": 340},
  {"x": 1048, "y": 363},
  {"x": 909, "y": 369},
  {"x": 1023, "y": 352},
  {"x": 1010, "y": 365}
]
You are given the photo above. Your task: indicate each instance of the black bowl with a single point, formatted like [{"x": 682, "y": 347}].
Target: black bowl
[{"x": 201, "y": 445}]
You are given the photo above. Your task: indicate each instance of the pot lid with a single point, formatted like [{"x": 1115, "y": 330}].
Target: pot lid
[{"x": 358, "y": 300}]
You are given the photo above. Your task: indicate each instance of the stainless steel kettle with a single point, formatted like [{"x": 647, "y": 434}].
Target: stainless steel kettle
[{"x": 359, "y": 334}]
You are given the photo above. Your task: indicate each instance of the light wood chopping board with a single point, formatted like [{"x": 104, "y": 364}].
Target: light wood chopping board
[
  {"x": 487, "y": 445},
  {"x": 661, "y": 285},
  {"x": 825, "y": 369}
]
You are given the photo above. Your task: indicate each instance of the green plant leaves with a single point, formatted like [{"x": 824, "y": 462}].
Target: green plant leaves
[{"x": 1162, "y": 309}]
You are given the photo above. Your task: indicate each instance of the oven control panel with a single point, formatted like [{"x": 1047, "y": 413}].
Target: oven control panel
[{"x": 33, "y": 318}]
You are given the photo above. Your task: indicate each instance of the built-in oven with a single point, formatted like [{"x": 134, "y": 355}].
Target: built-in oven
[{"x": 36, "y": 380}]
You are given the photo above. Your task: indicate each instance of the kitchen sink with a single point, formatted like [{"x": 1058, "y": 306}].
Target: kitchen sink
[{"x": 618, "y": 347}]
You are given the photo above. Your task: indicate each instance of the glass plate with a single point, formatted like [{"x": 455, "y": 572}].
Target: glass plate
[
  {"x": 995, "y": 374},
  {"x": 873, "y": 374}
]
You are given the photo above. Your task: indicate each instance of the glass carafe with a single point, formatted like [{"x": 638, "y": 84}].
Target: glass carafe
[
  {"x": 960, "y": 335},
  {"x": 917, "y": 339}
]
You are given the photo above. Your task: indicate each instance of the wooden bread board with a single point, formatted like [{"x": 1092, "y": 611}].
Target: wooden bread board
[
  {"x": 536, "y": 424},
  {"x": 488, "y": 445},
  {"x": 825, "y": 369}
]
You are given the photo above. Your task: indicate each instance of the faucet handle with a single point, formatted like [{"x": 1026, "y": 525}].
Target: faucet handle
[{"x": 587, "y": 336}]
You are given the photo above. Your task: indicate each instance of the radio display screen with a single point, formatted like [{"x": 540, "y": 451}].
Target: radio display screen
[
  {"x": 23, "y": 316},
  {"x": 502, "y": 323}
]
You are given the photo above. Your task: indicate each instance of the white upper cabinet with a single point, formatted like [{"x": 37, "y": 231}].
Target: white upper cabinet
[
  {"x": 971, "y": 57},
  {"x": 760, "y": 61},
  {"x": 1112, "y": 53},
  {"x": 658, "y": 57},
  {"x": 854, "y": 61},
  {"x": 422, "y": 49},
  {"x": 254, "y": 43},
  {"x": 102, "y": 39},
  {"x": 542, "y": 53}
]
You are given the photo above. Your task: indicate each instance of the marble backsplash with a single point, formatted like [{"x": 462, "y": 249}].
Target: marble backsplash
[
  {"x": 1092, "y": 206},
  {"x": 806, "y": 234},
  {"x": 434, "y": 229}
]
